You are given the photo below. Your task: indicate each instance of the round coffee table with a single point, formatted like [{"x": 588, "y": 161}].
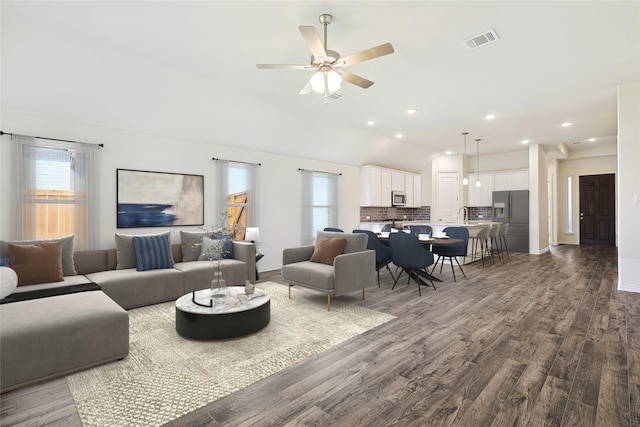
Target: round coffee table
[{"x": 230, "y": 315}]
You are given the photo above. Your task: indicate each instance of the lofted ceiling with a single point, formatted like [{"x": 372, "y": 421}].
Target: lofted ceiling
[{"x": 188, "y": 70}]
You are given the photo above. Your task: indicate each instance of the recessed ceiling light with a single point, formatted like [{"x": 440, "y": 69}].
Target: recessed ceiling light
[
  {"x": 591, "y": 139},
  {"x": 448, "y": 153},
  {"x": 490, "y": 116},
  {"x": 524, "y": 141},
  {"x": 412, "y": 110},
  {"x": 566, "y": 124},
  {"x": 399, "y": 135},
  {"x": 371, "y": 122}
]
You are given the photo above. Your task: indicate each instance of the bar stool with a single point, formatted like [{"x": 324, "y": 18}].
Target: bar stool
[
  {"x": 502, "y": 237},
  {"x": 481, "y": 237},
  {"x": 493, "y": 241}
]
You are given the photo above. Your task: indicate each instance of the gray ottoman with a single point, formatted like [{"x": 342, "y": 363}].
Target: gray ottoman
[{"x": 54, "y": 336}]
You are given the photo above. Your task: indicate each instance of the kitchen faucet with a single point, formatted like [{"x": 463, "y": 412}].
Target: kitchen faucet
[{"x": 465, "y": 218}]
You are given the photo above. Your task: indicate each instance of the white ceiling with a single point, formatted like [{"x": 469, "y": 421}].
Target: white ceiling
[{"x": 187, "y": 69}]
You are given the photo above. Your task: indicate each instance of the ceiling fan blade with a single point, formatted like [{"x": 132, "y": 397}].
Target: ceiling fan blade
[
  {"x": 286, "y": 66},
  {"x": 365, "y": 55},
  {"x": 312, "y": 38},
  {"x": 355, "y": 79}
]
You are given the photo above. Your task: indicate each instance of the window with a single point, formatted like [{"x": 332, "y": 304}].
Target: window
[
  {"x": 320, "y": 203},
  {"x": 239, "y": 184},
  {"x": 569, "y": 204},
  {"x": 55, "y": 188}
]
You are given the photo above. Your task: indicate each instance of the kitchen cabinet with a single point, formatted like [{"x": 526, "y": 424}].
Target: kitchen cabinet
[
  {"x": 480, "y": 196},
  {"x": 397, "y": 181},
  {"x": 376, "y": 184},
  {"x": 512, "y": 180},
  {"x": 413, "y": 188}
]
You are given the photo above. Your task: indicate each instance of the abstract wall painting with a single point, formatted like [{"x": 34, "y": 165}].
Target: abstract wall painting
[{"x": 159, "y": 199}]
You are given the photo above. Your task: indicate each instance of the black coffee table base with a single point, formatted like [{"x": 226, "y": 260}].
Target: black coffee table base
[{"x": 201, "y": 323}]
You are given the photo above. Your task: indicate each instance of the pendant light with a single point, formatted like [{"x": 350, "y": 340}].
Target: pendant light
[
  {"x": 478, "y": 183},
  {"x": 465, "y": 180}
]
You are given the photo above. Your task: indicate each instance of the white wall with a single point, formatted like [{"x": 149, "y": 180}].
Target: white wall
[
  {"x": 628, "y": 191},
  {"x": 280, "y": 212},
  {"x": 538, "y": 201},
  {"x": 498, "y": 162}
]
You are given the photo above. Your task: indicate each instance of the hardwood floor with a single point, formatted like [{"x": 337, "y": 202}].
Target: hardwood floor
[{"x": 535, "y": 340}]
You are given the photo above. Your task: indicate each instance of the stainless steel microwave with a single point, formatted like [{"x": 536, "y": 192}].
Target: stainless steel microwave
[{"x": 398, "y": 198}]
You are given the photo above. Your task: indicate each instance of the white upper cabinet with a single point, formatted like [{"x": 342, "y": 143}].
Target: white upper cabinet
[
  {"x": 417, "y": 190},
  {"x": 376, "y": 184},
  {"x": 397, "y": 181},
  {"x": 480, "y": 196},
  {"x": 512, "y": 180}
]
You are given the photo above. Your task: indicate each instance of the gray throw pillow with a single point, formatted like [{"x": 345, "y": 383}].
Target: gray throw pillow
[
  {"x": 68, "y": 265},
  {"x": 191, "y": 244},
  {"x": 125, "y": 255}
]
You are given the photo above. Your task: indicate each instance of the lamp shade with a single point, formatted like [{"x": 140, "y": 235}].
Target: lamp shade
[{"x": 252, "y": 234}]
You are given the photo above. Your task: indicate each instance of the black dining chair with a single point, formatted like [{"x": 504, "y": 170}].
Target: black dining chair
[
  {"x": 453, "y": 250},
  {"x": 408, "y": 253},
  {"x": 383, "y": 253},
  {"x": 333, "y": 229}
]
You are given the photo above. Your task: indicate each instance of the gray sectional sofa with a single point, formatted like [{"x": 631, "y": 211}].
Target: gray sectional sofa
[{"x": 51, "y": 336}]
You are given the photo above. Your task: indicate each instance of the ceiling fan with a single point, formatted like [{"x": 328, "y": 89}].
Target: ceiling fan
[{"x": 329, "y": 65}]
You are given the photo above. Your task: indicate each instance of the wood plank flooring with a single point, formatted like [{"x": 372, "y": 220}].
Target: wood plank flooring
[{"x": 534, "y": 340}]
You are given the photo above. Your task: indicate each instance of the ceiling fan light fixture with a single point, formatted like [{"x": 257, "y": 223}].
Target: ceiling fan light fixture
[
  {"x": 331, "y": 80},
  {"x": 317, "y": 82}
]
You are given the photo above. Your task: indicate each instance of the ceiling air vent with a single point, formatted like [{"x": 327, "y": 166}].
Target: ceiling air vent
[
  {"x": 332, "y": 96},
  {"x": 482, "y": 38}
]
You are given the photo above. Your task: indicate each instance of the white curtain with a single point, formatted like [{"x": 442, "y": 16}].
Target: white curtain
[
  {"x": 81, "y": 159},
  {"x": 320, "y": 202},
  {"x": 234, "y": 177}
]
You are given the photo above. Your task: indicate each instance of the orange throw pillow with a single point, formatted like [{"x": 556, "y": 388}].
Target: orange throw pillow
[
  {"x": 327, "y": 249},
  {"x": 41, "y": 263}
]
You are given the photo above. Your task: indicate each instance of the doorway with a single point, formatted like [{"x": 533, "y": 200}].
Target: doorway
[{"x": 597, "y": 209}]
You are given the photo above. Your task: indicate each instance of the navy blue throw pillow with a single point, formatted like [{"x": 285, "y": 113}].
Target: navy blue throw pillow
[
  {"x": 227, "y": 247},
  {"x": 152, "y": 252}
]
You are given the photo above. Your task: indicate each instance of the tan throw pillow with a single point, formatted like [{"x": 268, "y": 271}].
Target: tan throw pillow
[
  {"x": 327, "y": 249},
  {"x": 41, "y": 263}
]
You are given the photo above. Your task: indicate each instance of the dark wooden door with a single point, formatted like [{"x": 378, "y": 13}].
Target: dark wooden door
[{"x": 597, "y": 210}]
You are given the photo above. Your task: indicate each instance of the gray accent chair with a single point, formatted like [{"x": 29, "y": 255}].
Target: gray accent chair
[{"x": 354, "y": 269}]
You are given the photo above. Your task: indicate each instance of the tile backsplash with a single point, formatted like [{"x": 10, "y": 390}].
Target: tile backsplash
[{"x": 368, "y": 214}]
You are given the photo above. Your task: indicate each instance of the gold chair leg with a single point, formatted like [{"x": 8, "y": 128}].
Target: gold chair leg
[
  {"x": 328, "y": 302},
  {"x": 290, "y": 286},
  {"x": 362, "y": 293}
]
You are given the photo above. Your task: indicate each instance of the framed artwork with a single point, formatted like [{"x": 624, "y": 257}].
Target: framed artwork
[{"x": 159, "y": 199}]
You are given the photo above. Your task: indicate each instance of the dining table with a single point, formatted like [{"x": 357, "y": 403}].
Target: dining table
[{"x": 427, "y": 242}]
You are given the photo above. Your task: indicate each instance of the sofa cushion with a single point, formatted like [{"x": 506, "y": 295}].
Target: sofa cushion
[
  {"x": 54, "y": 336},
  {"x": 68, "y": 266},
  {"x": 191, "y": 244},
  {"x": 39, "y": 263},
  {"x": 124, "y": 249},
  {"x": 131, "y": 288},
  {"x": 198, "y": 274},
  {"x": 309, "y": 274},
  {"x": 327, "y": 249},
  {"x": 152, "y": 252}
]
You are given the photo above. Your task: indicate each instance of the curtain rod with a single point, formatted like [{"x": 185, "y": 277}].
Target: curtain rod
[
  {"x": 311, "y": 170},
  {"x": 236, "y": 161},
  {"x": 54, "y": 139}
]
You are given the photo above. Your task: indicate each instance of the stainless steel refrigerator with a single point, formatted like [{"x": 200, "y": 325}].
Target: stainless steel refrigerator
[{"x": 513, "y": 207}]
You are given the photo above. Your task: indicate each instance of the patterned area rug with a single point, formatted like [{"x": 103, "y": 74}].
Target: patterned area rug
[{"x": 166, "y": 376}]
